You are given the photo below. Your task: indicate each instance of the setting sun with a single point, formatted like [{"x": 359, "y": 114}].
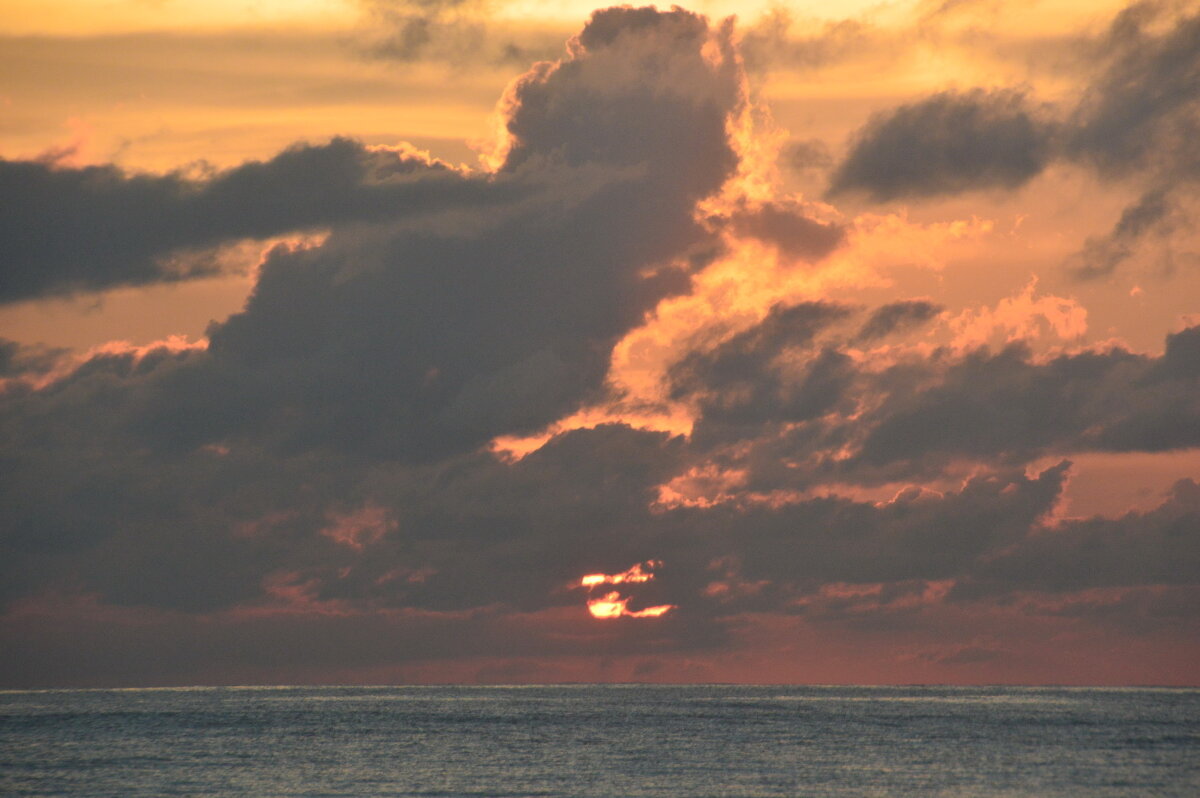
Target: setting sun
[{"x": 612, "y": 604}]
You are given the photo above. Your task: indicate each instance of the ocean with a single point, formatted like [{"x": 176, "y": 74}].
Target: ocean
[{"x": 616, "y": 741}]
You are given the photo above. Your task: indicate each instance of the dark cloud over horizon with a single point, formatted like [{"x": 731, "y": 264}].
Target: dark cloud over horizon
[
  {"x": 319, "y": 485},
  {"x": 778, "y": 393},
  {"x": 398, "y": 343}
]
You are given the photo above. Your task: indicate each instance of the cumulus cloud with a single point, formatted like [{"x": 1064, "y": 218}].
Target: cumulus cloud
[
  {"x": 411, "y": 340},
  {"x": 796, "y": 547},
  {"x": 945, "y": 144},
  {"x": 321, "y": 465},
  {"x": 788, "y": 404},
  {"x": 749, "y": 378},
  {"x": 1158, "y": 547},
  {"x": 994, "y": 403},
  {"x": 420, "y": 329},
  {"x": 91, "y": 228}
]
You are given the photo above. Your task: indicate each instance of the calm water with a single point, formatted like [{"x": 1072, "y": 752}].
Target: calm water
[{"x": 621, "y": 741}]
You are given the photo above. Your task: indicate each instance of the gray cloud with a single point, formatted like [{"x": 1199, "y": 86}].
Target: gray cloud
[
  {"x": 1136, "y": 120},
  {"x": 1141, "y": 116},
  {"x": 412, "y": 30},
  {"x": 402, "y": 343},
  {"x": 1158, "y": 547},
  {"x": 912, "y": 418},
  {"x": 1141, "y": 113},
  {"x": 86, "y": 229},
  {"x": 1101, "y": 255},
  {"x": 811, "y": 154},
  {"x": 90, "y": 505},
  {"x": 916, "y": 536},
  {"x": 897, "y": 316},
  {"x": 994, "y": 404},
  {"x": 788, "y": 229},
  {"x": 18, "y": 359},
  {"x": 415, "y": 341},
  {"x": 291, "y": 648},
  {"x": 321, "y": 471},
  {"x": 946, "y": 144},
  {"x": 742, "y": 381}
]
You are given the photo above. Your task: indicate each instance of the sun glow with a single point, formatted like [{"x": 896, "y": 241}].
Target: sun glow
[
  {"x": 642, "y": 572},
  {"x": 612, "y": 604}
]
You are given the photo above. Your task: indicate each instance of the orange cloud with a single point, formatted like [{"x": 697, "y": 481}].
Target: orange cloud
[{"x": 1022, "y": 317}]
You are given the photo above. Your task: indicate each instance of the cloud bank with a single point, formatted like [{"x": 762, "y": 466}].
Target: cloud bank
[{"x": 318, "y": 491}]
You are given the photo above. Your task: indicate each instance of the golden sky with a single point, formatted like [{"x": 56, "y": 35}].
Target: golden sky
[{"x": 409, "y": 317}]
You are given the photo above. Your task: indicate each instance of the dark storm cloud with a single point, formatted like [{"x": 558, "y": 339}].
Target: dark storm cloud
[
  {"x": 1003, "y": 403},
  {"x": 208, "y": 529},
  {"x": 140, "y": 648},
  {"x": 914, "y": 536},
  {"x": 518, "y": 534},
  {"x": 741, "y": 381},
  {"x": 314, "y": 490},
  {"x": 1158, "y": 547},
  {"x": 786, "y": 392},
  {"x": 86, "y": 229},
  {"x": 214, "y": 528},
  {"x": 946, "y": 144},
  {"x": 398, "y": 347},
  {"x": 871, "y": 565},
  {"x": 88, "y": 504},
  {"x": 414, "y": 341}
]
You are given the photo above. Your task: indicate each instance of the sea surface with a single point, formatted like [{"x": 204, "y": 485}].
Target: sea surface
[{"x": 618, "y": 740}]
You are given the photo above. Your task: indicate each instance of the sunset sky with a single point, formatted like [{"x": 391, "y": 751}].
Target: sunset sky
[{"x": 375, "y": 341}]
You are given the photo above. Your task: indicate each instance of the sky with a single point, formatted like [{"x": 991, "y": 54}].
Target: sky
[{"x": 425, "y": 341}]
